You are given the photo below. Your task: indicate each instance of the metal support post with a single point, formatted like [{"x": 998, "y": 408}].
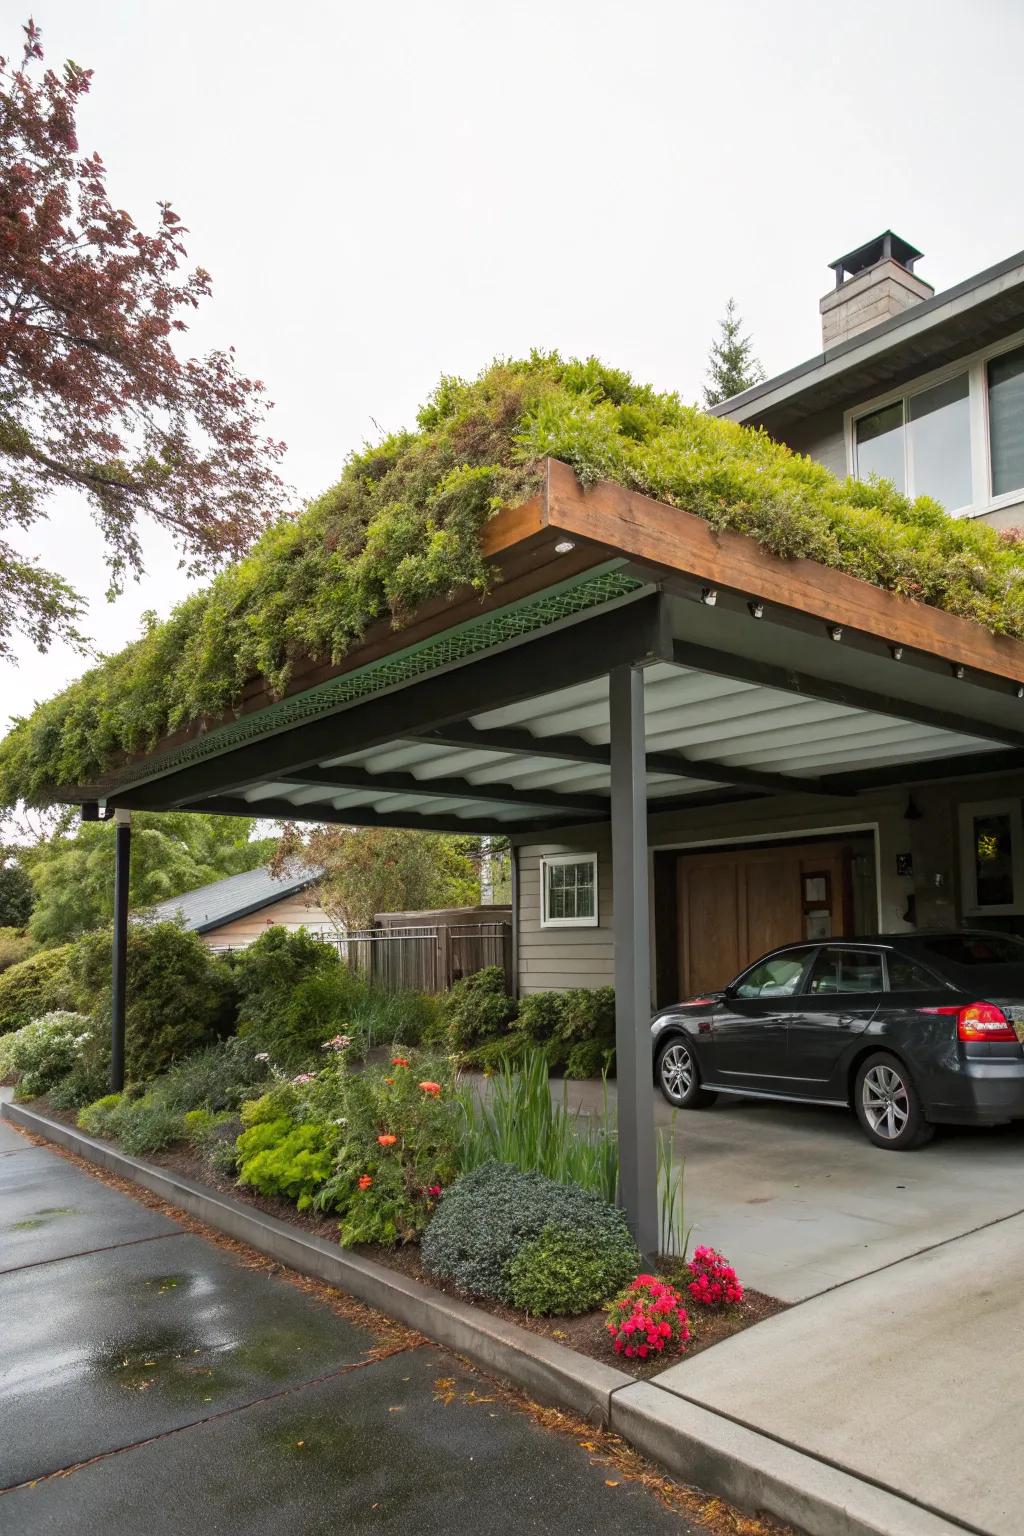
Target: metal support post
[{"x": 122, "y": 872}]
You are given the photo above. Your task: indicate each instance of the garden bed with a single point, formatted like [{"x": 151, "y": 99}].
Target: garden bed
[{"x": 584, "y": 1334}]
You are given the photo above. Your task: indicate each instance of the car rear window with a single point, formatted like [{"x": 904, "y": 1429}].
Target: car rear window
[
  {"x": 976, "y": 948},
  {"x": 907, "y": 976}
]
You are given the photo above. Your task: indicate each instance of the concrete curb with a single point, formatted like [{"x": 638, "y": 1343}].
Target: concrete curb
[{"x": 699, "y": 1446}]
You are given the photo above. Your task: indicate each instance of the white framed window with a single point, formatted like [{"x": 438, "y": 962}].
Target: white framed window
[
  {"x": 956, "y": 434},
  {"x": 568, "y": 890},
  {"x": 991, "y": 858}
]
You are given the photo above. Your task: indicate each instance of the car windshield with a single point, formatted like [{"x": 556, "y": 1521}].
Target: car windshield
[
  {"x": 976, "y": 948},
  {"x": 778, "y": 976}
]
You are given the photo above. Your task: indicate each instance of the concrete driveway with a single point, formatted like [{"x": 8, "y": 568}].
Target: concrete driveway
[{"x": 801, "y": 1201}]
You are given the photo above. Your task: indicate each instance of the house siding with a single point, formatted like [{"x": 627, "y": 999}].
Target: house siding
[
  {"x": 292, "y": 913},
  {"x": 584, "y": 957}
]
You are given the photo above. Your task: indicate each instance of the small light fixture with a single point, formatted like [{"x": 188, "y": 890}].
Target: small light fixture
[
  {"x": 564, "y": 547},
  {"x": 959, "y": 671},
  {"x": 835, "y": 631},
  {"x": 1020, "y": 690},
  {"x": 709, "y": 596},
  {"x": 896, "y": 652},
  {"x": 756, "y": 609}
]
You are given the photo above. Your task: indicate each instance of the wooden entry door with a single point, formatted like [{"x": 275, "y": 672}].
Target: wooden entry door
[{"x": 735, "y": 904}]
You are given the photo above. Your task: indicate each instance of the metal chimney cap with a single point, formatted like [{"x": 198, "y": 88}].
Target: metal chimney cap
[{"x": 884, "y": 247}]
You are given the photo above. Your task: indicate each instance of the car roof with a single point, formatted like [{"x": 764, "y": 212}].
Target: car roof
[{"x": 887, "y": 940}]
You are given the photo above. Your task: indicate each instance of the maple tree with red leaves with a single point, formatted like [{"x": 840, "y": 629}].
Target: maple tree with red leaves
[{"x": 93, "y": 394}]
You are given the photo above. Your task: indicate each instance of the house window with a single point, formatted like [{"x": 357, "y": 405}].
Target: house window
[
  {"x": 1006, "y": 421},
  {"x": 991, "y": 858},
  {"x": 922, "y": 443},
  {"x": 569, "y": 890},
  {"x": 956, "y": 435}
]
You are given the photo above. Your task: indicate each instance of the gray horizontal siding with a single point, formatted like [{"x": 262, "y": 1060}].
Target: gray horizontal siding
[{"x": 552, "y": 958}]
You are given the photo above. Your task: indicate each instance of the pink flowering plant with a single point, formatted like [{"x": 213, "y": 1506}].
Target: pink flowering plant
[
  {"x": 714, "y": 1282},
  {"x": 648, "y": 1318}
]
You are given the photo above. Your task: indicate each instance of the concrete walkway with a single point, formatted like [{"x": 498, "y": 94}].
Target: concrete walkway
[
  {"x": 912, "y": 1378},
  {"x": 152, "y": 1381}
]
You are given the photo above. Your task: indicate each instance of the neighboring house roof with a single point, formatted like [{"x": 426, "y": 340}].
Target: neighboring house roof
[
  {"x": 939, "y": 330},
  {"x": 225, "y": 900}
]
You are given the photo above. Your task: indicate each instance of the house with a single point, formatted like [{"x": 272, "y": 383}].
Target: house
[
  {"x": 923, "y": 389},
  {"x": 231, "y": 913}
]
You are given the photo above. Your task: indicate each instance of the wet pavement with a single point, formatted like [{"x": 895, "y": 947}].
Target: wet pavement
[{"x": 202, "y": 1392}]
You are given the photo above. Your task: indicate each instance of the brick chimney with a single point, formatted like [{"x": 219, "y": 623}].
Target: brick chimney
[{"x": 872, "y": 283}]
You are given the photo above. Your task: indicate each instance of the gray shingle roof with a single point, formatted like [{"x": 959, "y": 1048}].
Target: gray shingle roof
[{"x": 211, "y": 905}]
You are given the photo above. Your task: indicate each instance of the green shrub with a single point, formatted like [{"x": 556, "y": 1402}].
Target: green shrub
[
  {"x": 488, "y": 1217},
  {"x": 503, "y": 1053},
  {"x": 87, "y": 1078},
  {"x": 8, "y": 1045},
  {"x": 14, "y": 947},
  {"x": 478, "y": 1008},
  {"x": 146, "y": 1125},
  {"x": 281, "y": 1157},
  {"x": 575, "y": 1028},
  {"x": 179, "y": 996},
  {"x": 219, "y": 1077},
  {"x": 377, "y": 1017},
  {"x": 540, "y": 1014},
  {"x": 35, "y": 986},
  {"x": 100, "y": 1117},
  {"x": 294, "y": 993},
  {"x": 203, "y": 1125},
  {"x": 46, "y": 1050},
  {"x": 566, "y": 1272},
  {"x": 589, "y": 1058}
]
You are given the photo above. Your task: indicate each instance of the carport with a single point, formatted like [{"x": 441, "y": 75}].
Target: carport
[{"x": 627, "y": 659}]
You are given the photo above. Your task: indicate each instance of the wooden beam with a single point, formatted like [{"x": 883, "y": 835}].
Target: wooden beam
[
  {"x": 575, "y": 749},
  {"x": 677, "y": 540},
  {"x": 343, "y": 777},
  {"x": 634, "y": 631}
]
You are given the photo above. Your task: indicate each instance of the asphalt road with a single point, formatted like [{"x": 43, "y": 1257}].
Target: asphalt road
[{"x": 152, "y": 1381}]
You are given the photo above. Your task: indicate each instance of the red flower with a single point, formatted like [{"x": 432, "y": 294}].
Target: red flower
[
  {"x": 434, "y": 1088},
  {"x": 387, "y": 1140},
  {"x": 399, "y": 1061},
  {"x": 714, "y": 1280},
  {"x": 365, "y": 1181}
]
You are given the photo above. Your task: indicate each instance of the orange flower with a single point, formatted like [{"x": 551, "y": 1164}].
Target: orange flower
[
  {"x": 434, "y": 1088},
  {"x": 387, "y": 1141},
  {"x": 390, "y": 1081},
  {"x": 365, "y": 1181},
  {"x": 399, "y": 1061}
]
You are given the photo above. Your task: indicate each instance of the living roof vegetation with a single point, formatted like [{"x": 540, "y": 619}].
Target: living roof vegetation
[{"x": 401, "y": 526}]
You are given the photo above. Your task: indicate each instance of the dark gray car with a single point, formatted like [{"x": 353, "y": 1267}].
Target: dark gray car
[{"x": 912, "y": 1030}]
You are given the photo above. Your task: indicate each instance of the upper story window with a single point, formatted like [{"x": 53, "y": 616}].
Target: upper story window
[{"x": 957, "y": 436}]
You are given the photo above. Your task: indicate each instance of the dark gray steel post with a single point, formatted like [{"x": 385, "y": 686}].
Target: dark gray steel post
[
  {"x": 638, "y": 1162},
  {"x": 122, "y": 870}
]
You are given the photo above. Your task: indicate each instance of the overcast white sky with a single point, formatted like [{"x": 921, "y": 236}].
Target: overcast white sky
[{"x": 389, "y": 190}]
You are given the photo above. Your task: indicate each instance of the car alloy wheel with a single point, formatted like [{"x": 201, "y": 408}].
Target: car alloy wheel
[
  {"x": 677, "y": 1071},
  {"x": 886, "y": 1101}
]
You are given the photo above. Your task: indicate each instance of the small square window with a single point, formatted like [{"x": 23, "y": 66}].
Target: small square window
[{"x": 569, "y": 890}]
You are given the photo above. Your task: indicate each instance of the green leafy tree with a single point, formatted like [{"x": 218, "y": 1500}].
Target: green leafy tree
[
  {"x": 15, "y": 896},
  {"x": 73, "y": 874},
  {"x": 366, "y": 870},
  {"x": 732, "y": 366}
]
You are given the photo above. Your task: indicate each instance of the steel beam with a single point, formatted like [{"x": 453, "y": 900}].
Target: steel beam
[
  {"x": 363, "y": 816},
  {"x": 119, "y": 956},
  {"x": 343, "y": 778},
  {"x": 638, "y": 1163}
]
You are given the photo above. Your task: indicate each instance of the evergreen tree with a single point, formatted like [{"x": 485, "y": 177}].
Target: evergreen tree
[{"x": 732, "y": 367}]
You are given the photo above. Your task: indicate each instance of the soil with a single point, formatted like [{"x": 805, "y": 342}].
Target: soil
[{"x": 585, "y": 1334}]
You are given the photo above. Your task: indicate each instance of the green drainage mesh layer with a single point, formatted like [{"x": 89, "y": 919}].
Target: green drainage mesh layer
[{"x": 606, "y": 584}]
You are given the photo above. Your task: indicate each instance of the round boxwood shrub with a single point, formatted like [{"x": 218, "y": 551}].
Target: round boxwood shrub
[{"x": 497, "y": 1215}]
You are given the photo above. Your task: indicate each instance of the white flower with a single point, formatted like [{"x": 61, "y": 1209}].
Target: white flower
[{"x": 262, "y": 1056}]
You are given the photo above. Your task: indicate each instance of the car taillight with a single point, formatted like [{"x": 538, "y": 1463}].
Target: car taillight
[{"x": 979, "y": 1021}]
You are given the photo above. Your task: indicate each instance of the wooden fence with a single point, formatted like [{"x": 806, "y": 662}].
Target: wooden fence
[{"x": 428, "y": 958}]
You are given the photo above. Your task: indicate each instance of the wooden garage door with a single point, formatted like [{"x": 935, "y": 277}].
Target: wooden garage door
[{"x": 735, "y": 904}]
